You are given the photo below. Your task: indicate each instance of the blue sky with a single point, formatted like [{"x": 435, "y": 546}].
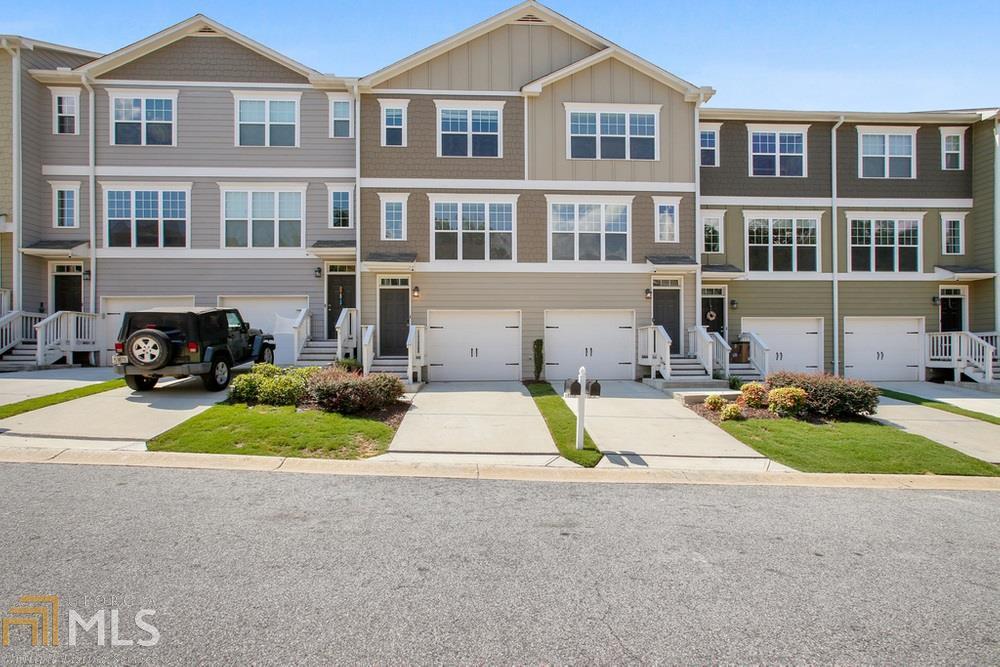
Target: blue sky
[{"x": 878, "y": 55}]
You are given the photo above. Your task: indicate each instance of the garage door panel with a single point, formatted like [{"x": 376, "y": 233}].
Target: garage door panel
[
  {"x": 114, "y": 308},
  {"x": 883, "y": 348},
  {"x": 600, "y": 340},
  {"x": 796, "y": 343},
  {"x": 261, "y": 311},
  {"x": 473, "y": 345}
]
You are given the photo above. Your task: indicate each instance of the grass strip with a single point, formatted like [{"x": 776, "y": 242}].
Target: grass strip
[
  {"x": 12, "y": 409},
  {"x": 562, "y": 425},
  {"x": 940, "y": 405}
]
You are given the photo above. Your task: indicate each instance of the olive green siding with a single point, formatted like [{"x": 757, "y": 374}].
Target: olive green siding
[
  {"x": 982, "y": 305},
  {"x": 734, "y": 237},
  {"x": 6, "y": 167}
]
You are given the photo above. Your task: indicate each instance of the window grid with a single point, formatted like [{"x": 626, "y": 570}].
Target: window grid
[
  {"x": 589, "y": 232},
  {"x": 66, "y": 114},
  {"x": 340, "y": 209},
  {"x": 393, "y": 120},
  {"x": 66, "y": 208},
  {"x": 262, "y": 219},
  {"x": 469, "y": 133},
  {"x": 267, "y": 123},
  {"x": 340, "y": 115},
  {"x": 777, "y": 153},
  {"x": 147, "y": 219},
  {"x": 667, "y": 226},
  {"x": 143, "y": 121},
  {"x": 886, "y": 155},
  {"x": 712, "y": 235},
  {"x": 952, "y": 150},
  {"x": 885, "y": 245},
  {"x": 954, "y": 241},
  {"x": 486, "y": 231},
  {"x": 709, "y": 148},
  {"x": 783, "y": 244},
  {"x": 622, "y": 136},
  {"x": 392, "y": 225}
]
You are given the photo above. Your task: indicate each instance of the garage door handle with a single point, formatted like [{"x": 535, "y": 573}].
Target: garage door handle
[
  {"x": 514, "y": 363},
  {"x": 436, "y": 326},
  {"x": 512, "y": 326},
  {"x": 551, "y": 363}
]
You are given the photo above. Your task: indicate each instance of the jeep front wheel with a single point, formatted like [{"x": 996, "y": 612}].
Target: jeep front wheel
[
  {"x": 217, "y": 378},
  {"x": 140, "y": 382},
  {"x": 267, "y": 356}
]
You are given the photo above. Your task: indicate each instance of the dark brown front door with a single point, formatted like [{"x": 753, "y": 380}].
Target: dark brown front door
[
  {"x": 952, "y": 317},
  {"x": 339, "y": 295},
  {"x": 393, "y": 321},
  {"x": 667, "y": 313},
  {"x": 713, "y": 314},
  {"x": 67, "y": 293}
]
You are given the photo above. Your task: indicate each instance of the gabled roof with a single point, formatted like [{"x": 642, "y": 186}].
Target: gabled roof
[
  {"x": 958, "y": 116},
  {"x": 29, "y": 43}
]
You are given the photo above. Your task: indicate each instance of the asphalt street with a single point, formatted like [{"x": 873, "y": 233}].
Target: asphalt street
[{"x": 263, "y": 568}]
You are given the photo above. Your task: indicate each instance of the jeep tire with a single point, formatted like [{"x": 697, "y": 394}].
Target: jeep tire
[
  {"x": 148, "y": 349},
  {"x": 218, "y": 376}
]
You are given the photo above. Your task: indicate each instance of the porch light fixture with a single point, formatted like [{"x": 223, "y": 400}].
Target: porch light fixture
[
  {"x": 649, "y": 293},
  {"x": 936, "y": 300},
  {"x": 416, "y": 292},
  {"x": 318, "y": 272},
  {"x": 734, "y": 304},
  {"x": 86, "y": 274}
]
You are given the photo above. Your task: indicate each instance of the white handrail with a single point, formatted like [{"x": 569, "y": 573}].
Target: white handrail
[
  {"x": 415, "y": 340},
  {"x": 720, "y": 357},
  {"x": 367, "y": 348},
  {"x": 654, "y": 350},
  {"x": 301, "y": 331},
  {"x": 345, "y": 330},
  {"x": 5, "y": 299},
  {"x": 64, "y": 332},
  {"x": 991, "y": 338},
  {"x": 760, "y": 353},
  {"x": 942, "y": 347},
  {"x": 704, "y": 346},
  {"x": 977, "y": 353}
]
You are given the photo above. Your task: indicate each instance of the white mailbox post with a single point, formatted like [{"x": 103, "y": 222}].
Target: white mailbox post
[{"x": 581, "y": 406}]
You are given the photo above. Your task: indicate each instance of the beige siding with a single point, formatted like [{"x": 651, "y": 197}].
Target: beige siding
[
  {"x": 982, "y": 305},
  {"x": 980, "y": 226},
  {"x": 6, "y": 134},
  {"x": 610, "y": 81},
  {"x": 503, "y": 59},
  {"x": 734, "y": 238}
]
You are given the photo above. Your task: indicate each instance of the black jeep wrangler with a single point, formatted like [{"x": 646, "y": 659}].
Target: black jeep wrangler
[{"x": 178, "y": 342}]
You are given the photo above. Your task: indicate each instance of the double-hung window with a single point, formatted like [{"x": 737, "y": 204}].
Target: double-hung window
[
  {"x": 65, "y": 110},
  {"x": 393, "y": 215},
  {"x": 712, "y": 223},
  {"x": 667, "y": 219},
  {"x": 263, "y": 217},
  {"x": 586, "y": 229},
  {"x": 611, "y": 132},
  {"x": 267, "y": 119},
  {"x": 953, "y": 148},
  {"x": 782, "y": 241},
  {"x": 709, "y": 144},
  {"x": 393, "y": 112},
  {"x": 887, "y": 152},
  {"x": 468, "y": 228},
  {"x": 885, "y": 242},
  {"x": 341, "y": 115},
  {"x": 953, "y": 233},
  {"x": 147, "y": 218},
  {"x": 778, "y": 150},
  {"x": 340, "y": 206},
  {"x": 143, "y": 118},
  {"x": 65, "y": 204},
  {"x": 470, "y": 129}
]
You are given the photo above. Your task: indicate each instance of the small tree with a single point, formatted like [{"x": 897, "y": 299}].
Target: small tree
[{"x": 538, "y": 353}]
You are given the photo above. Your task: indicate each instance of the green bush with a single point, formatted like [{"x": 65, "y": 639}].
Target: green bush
[
  {"x": 287, "y": 389},
  {"x": 538, "y": 352},
  {"x": 349, "y": 364},
  {"x": 786, "y": 401},
  {"x": 304, "y": 372},
  {"x": 830, "y": 397},
  {"x": 714, "y": 402},
  {"x": 731, "y": 412},
  {"x": 754, "y": 394},
  {"x": 336, "y": 390},
  {"x": 245, "y": 388},
  {"x": 267, "y": 370},
  {"x": 735, "y": 382}
]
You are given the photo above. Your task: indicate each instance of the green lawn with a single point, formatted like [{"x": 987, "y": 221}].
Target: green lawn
[
  {"x": 30, "y": 404},
  {"x": 265, "y": 430},
  {"x": 562, "y": 425},
  {"x": 862, "y": 446},
  {"x": 940, "y": 405}
]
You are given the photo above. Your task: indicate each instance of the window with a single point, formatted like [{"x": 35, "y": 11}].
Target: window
[
  {"x": 712, "y": 236},
  {"x": 778, "y": 150},
  {"x": 619, "y": 132},
  {"x": 65, "y": 204},
  {"x": 710, "y": 144},
  {"x": 886, "y": 152},
  {"x": 667, "y": 213},
  {"x": 473, "y": 131},
  {"x": 341, "y": 113},
  {"x": 267, "y": 120},
  {"x": 65, "y": 110},
  {"x": 953, "y": 148},
  {"x": 953, "y": 233},
  {"x": 589, "y": 230},
  {"x": 143, "y": 119},
  {"x": 147, "y": 218},
  {"x": 340, "y": 207},
  {"x": 263, "y": 218},
  {"x": 393, "y": 121},
  {"x": 393, "y": 216},
  {"x": 782, "y": 242},
  {"x": 883, "y": 243},
  {"x": 473, "y": 230}
]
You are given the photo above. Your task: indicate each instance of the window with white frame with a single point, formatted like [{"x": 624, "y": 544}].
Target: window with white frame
[
  {"x": 887, "y": 152},
  {"x": 143, "y": 118},
  {"x": 65, "y": 110},
  {"x": 270, "y": 119},
  {"x": 473, "y": 230},
  {"x": 611, "y": 132},
  {"x": 589, "y": 230},
  {"x": 263, "y": 218},
  {"x": 778, "y": 150},
  {"x": 340, "y": 207},
  {"x": 709, "y": 143},
  {"x": 953, "y": 148},
  {"x": 712, "y": 238},
  {"x": 393, "y": 215},
  {"x": 65, "y": 204},
  {"x": 667, "y": 211},
  {"x": 341, "y": 115},
  {"x": 882, "y": 242},
  {"x": 470, "y": 129},
  {"x": 393, "y": 112},
  {"x": 953, "y": 233},
  {"x": 782, "y": 242},
  {"x": 146, "y": 218}
]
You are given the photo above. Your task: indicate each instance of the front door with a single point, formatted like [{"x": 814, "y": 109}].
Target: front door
[
  {"x": 667, "y": 313},
  {"x": 952, "y": 315},
  {"x": 393, "y": 320},
  {"x": 67, "y": 292},
  {"x": 713, "y": 313},
  {"x": 339, "y": 295}
]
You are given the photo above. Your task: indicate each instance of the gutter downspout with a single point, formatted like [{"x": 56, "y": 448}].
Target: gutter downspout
[
  {"x": 91, "y": 190},
  {"x": 357, "y": 220},
  {"x": 996, "y": 221},
  {"x": 698, "y": 227},
  {"x": 834, "y": 224},
  {"x": 15, "y": 180}
]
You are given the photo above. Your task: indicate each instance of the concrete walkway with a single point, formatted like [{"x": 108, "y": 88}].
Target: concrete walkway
[
  {"x": 22, "y": 385},
  {"x": 969, "y": 436},
  {"x": 970, "y": 399},
  {"x": 639, "y": 427}
]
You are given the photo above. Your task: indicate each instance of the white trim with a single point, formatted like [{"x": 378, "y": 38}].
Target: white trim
[
  {"x": 953, "y": 132},
  {"x": 249, "y": 189},
  {"x": 441, "y": 91},
  {"x": 778, "y": 129},
  {"x": 561, "y": 266},
  {"x": 885, "y": 202},
  {"x": 378, "y": 300},
  {"x": 202, "y": 84},
  {"x": 469, "y": 106},
  {"x": 518, "y": 184},
  {"x": 886, "y": 130},
  {"x": 716, "y": 129},
  {"x": 721, "y": 215},
  {"x": 50, "y": 271},
  {"x": 340, "y": 187},
  {"x": 206, "y": 172},
  {"x": 678, "y": 346},
  {"x": 341, "y": 97},
  {"x": 206, "y": 253},
  {"x": 590, "y": 199},
  {"x": 144, "y": 94},
  {"x": 487, "y": 199},
  {"x": 326, "y": 291},
  {"x": 603, "y": 201},
  {"x": 895, "y": 217},
  {"x": 74, "y": 93},
  {"x": 598, "y": 108},
  {"x": 135, "y": 186},
  {"x": 392, "y": 103},
  {"x": 964, "y": 296},
  {"x": 724, "y": 286},
  {"x": 65, "y": 186},
  {"x": 392, "y": 197},
  {"x": 945, "y": 218},
  {"x": 814, "y": 216},
  {"x": 667, "y": 201},
  {"x": 266, "y": 97}
]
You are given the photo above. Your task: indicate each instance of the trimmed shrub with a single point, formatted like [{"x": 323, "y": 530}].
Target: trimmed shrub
[
  {"x": 830, "y": 397},
  {"x": 714, "y": 402},
  {"x": 538, "y": 353},
  {"x": 288, "y": 389},
  {"x": 731, "y": 412},
  {"x": 349, "y": 364},
  {"x": 386, "y": 389},
  {"x": 304, "y": 372},
  {"x": 754, "y": 394},
  {"x": 245, "y": 388},
  {"x": 786, "y": 401},
  {"x": 336, "y": 390},
  {"x": 735, "y": 382},
  {"x": 266, "y": 370}
]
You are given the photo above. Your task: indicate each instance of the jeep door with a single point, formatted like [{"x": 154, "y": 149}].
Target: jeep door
[{"x": 239, "y": 339}]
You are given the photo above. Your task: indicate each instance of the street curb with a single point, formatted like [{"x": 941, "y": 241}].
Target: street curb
[{"x": 371, "y": 468}]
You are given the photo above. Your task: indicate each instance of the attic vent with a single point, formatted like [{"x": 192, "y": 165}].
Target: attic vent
[
  {"x": 207, "y": 31},
  {"x": 530, "y": 18}
]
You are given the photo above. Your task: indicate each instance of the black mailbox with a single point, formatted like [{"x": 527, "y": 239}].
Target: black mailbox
[
  {"x": 571, "y": 387},
  {"x": 593, "y": 388}
]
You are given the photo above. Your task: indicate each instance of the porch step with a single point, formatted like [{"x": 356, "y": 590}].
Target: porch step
[
  {"x": 745, "y": 372},
  {"x": 390, "y": 366},
  {"x": 318, "y": 353},
  {"x": 675, "y": 383},
  {"x": 20, "y": 358}
]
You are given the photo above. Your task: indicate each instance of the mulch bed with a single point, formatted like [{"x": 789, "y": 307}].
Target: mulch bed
[
  {"x": 748, "y": 413},
  {"x": 391, "y": 416}
]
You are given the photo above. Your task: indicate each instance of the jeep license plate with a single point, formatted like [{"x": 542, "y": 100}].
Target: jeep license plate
[{"x": 119, "y": 360}]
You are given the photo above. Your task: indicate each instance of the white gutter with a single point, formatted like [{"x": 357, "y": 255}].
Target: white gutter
[
  {"x": 996, "y": 221},
  {"x": 15, "y": 178},
  {"x": 698, "y": 228},
  {"x": 357, "y": 219},
  {"x": 91, "y": 189},
  {"x": 834, "y": 223}
]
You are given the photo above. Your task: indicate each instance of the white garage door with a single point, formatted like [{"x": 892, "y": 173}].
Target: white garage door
[
  {"x": 601, "y": 340},
  {"x": 114, "y": 307},
  {"x": 473, "y": 345},
  {"x": 260, "y": 311},
  {"x": 883, "y": 348},
  {"x": 796, "y": 343}
]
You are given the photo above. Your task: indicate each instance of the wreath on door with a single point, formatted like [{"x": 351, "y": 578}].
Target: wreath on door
[{"x": 710, "y": 316}]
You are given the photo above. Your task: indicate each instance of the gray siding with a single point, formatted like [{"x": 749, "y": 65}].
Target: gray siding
[{"x": 6, "y": 167}]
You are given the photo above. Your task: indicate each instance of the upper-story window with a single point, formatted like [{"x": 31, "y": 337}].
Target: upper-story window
[
  {"x": 953, "y": 233},
  {"x": 341, "y": 115},
  {"x": 474, "y": 227},
  {"x": 589, "y": 228},
  {"x": 887, "y": 152},
  {"x": 65, "y": 110},
  {"x": 147, "y": 218},
  {"x": 143, "y": 118},
  {"x": 953, "y": 148},
  {"x": 778, "y": 150},
  {"x": 713, "y": 234},
  {"x": 709, "y": 144},
  {"x": 885, "y": 242},
  {"x": 65, "y": 204},
  {"x": 612, "y": 131},
  {"x": 393, "y": 215},
  {"x": 469, "y": 129},
  {"x": 341, "y": 215},
  {"x": 779, "y": 243},
  {"x": 393, "y": 113},
  {"x": 267, "y": 119},
  {"x": 667, "y": 211},
  {"x": 263, "y": 217}
]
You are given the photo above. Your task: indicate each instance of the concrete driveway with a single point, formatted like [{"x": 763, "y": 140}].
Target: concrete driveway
[
  {"x": 969, "y": 436},
  {"x": 639, "y": 427},
  {"x": 22, "y": 385},
  {"x": 970, "y": 399}
]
